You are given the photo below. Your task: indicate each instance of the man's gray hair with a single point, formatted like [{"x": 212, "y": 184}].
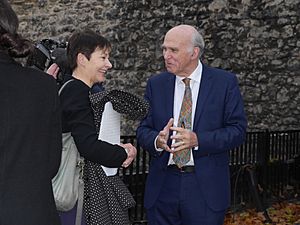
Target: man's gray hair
[{"x": 198, "y": 41}]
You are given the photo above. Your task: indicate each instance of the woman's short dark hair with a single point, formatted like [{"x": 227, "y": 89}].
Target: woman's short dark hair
[
  {"x": 84, "y": 42},
  {"x": 10, "y": 41}
]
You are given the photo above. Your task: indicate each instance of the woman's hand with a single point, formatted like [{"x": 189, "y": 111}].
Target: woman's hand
[{"x": 131, "y": 154}]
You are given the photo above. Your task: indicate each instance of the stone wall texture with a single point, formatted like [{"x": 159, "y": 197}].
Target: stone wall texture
[{"x": 259, "y": 40}]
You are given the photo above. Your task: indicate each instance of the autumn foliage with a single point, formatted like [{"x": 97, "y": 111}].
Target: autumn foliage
[{"x": 284, "y": 213}]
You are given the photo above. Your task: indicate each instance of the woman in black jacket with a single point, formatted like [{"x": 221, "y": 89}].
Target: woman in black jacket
[
  {"x": 30, "y": 132},
  {"x": 88, "y": 56}
]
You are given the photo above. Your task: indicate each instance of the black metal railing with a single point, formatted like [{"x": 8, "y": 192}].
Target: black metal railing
[{"x": 264, "y": 168}]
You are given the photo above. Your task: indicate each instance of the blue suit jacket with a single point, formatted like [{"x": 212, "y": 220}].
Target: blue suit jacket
[{"x": 220, "y": 124}]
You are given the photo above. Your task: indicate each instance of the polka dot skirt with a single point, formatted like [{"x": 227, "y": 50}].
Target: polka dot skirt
[{"x": 106, "y": 199}]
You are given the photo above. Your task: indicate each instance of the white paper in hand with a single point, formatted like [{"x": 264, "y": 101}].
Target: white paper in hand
[{"x": 110, "y": 131}]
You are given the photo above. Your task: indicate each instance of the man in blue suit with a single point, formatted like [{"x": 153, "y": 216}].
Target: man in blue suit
[{"x": 198, "y": 192}]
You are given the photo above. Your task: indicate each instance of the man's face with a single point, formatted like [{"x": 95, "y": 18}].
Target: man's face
[{"x": 177, "y": 53}]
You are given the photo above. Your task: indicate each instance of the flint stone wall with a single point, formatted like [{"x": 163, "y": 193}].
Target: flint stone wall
[{"x": 259, "y": 40}]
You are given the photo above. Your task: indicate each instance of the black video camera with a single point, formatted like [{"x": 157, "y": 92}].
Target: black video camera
[{"x": 47, "y": 52}]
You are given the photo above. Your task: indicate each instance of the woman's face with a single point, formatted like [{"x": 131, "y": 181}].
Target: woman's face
[{"x": 98, "y": 65}]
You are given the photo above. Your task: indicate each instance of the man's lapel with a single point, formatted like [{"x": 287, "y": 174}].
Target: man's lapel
[
  {"x": 205, "y": 87},
  {"x": 169, "y": 95}
]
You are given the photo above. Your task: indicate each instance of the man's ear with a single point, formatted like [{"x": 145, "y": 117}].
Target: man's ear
[{"x": 196, "y": 53}]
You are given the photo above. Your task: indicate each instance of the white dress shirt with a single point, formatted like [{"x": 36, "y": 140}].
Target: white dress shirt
[{"x": 178, "y": 97}]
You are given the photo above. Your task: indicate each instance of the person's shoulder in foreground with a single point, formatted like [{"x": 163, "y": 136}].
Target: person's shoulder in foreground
[{"x": 30, "y": 132}]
